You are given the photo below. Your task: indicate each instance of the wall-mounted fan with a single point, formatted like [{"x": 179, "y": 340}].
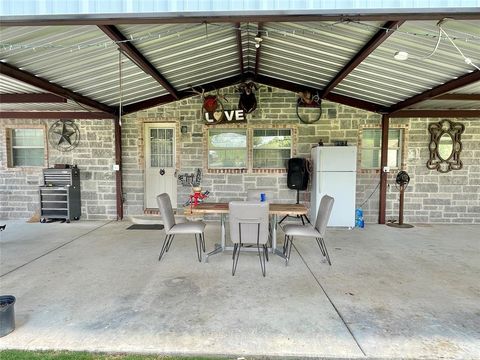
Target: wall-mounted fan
[{"x": 401, "y": 181}]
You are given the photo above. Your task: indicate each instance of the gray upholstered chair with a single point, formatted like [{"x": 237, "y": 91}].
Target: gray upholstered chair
[
  {"x": 172, "y": 228},
  {"x": 254, "y": 194},
  {"x": 317, "y": 231},
  {"x": 249, "y": 225}
]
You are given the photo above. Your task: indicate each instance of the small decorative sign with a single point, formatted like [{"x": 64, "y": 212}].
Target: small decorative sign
[{"x": 225, "y": 116}]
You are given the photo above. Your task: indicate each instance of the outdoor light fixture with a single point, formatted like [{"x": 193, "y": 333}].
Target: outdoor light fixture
[
  {"x": 258, "y": 40},
  {"x": 401, "y": 55},
  {"x": 184, "y": 129}
]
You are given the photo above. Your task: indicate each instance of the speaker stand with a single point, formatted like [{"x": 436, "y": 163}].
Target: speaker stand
[
  {"x": 301, "y": 217},
  {"x": 400, "y": 223}
]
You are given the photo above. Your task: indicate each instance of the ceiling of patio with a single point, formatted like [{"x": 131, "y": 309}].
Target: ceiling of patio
[{"x": 349, "y": 60}]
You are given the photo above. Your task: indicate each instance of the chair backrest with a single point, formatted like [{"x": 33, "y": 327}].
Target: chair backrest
[
  {"x": 254, "y": 194},
  {"x": 248, "y": 214},
  {"x": 323, "y": 215},
  {"x": 165, "y": 207}
]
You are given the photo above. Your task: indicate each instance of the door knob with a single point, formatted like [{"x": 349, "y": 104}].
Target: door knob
[{"x": 162, "y": 172}]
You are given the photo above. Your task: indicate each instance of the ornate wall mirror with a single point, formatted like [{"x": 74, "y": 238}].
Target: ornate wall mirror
[{"x": 445, "y": 146}]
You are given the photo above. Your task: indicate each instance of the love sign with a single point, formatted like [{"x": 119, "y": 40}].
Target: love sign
[{"x": 225, "y": 116}]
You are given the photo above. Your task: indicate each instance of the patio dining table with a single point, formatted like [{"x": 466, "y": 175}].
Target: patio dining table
[{"x": 222, "y": 209}]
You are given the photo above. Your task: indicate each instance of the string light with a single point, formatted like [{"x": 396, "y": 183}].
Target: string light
[
  {"x": 285, "y": 32},
  {"x": 403, "y": 55},
  {"x": 35, "y": 46}
]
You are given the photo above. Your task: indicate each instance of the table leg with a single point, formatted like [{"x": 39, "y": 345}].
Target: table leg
[
  {"x": 274, "y": 233},
  {"x": 274, "y": 239},
  {"x": 219, "y": 247},
  {"x": 222, "y": 226}
]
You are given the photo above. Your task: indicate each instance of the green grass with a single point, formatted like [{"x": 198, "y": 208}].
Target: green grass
[{"x": 73, "y": 355}]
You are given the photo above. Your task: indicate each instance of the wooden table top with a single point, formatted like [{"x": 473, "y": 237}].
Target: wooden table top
[{"x": 275, "y": 209}]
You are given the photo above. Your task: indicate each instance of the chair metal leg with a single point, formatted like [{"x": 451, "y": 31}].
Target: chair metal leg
[
  {"x": 198, "y": 245},
  {"x": 265, "y": 248},
  {"x": 320, "y": 245},
  {"x": 236, "y": 254},
  {"x": 289, "y": 249},
  {"x": 326, "y": 252},
  {"x": 261, "y": 256},
  {"x": 169, "y": 243},
  {"x": 202, "y": 237},
  {"x": 165, "y": 246},
  {"x": 323, "y": 249}
]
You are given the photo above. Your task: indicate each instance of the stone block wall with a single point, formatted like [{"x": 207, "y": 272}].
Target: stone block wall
[
  {"x": 94, "y": 155},
  {"x": 431, "y": 197}
]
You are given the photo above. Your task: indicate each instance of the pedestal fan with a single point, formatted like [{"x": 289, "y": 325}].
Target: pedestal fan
[{"x": 402, "y": 181}]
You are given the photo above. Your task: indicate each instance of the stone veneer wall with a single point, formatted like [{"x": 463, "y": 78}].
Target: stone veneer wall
[
  {"x": 19, "y": 196},
  {"x": 431, "y": 197}
]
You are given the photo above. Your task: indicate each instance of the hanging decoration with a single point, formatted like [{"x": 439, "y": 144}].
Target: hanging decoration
[
  {"x": 306, "y": 99},
  {"x": 247, "y": 101},
  {"x": 64, "y": 135},
  {"x": 445, "y": 146}
]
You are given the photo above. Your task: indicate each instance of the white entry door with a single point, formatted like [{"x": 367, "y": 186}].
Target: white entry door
[{"x": 160, "y": 176}]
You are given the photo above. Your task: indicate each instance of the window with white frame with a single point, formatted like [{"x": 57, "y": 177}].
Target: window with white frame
[
  {"x": 27, "y": 147},
  {"x": 271, "y": 148},
  {"x": 371, "y": 148},
  {"x": 227, "y": 148}
]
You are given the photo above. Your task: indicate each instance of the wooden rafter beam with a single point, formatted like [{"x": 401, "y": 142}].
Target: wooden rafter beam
[
  {"x": 138, "y": 59},
  {"x": 383, "y": 34},
  {"x": 165, "y": 99},
  {"x": 55, "y": 115},
  {"x": 464, "y": 97},
  {"x": 258, "y": 50},
  {"x": 425, "y": 113},
  {"x": 341, "y": 99},
  {"x": 436, "y": 91},
  {"x": 178, "y": 18},
  {"x": 356, "y": 103},
  {"x": 239, "y": 46},
  {"x": 31, "y": 98},
  {"x": 282, "y": 84},
  {"x": 28, "y": 78}
]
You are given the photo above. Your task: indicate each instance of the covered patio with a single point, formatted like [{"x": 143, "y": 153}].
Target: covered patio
[
  {"x": 389, "y": 294},
  {"x": 380, "y": 77}
]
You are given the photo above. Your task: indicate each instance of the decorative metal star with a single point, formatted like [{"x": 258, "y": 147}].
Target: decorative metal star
[{"x": 65, "y": 134}]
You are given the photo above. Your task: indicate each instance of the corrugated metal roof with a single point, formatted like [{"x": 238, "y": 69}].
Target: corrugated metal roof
[
  {"x": 398, "y": 80},
  {"x": 447, "y": 105},
  {"x": 311, "y": 53},
  {"x": 188, "y": 54},
  {"x": 80, "y": 58},
  {"x": 68, "y": 106},
  {"x": 13, "y": 86},
  {"x": 469, "y": 89},
  {"x": 84, "y": 60}
]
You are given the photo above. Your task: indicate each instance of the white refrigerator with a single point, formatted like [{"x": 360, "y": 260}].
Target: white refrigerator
[{"x": 334, "y": 174}]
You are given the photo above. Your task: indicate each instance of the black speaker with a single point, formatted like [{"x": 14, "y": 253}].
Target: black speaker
[{"x": 297, "y": 176}]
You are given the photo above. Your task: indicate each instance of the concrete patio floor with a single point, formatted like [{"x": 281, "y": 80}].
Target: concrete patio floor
[{"x": 390, "y": 293}]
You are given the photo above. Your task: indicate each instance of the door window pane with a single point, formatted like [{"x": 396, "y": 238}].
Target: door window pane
[{"x": 161, "y": 147}]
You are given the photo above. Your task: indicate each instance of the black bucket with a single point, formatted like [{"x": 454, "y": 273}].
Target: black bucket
[{"x": 7, "y": 314}]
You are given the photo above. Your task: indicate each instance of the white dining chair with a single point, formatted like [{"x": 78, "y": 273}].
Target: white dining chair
[
  {"x": 172, "y": 228},
  {"x": 317, "y": 231},
  {"x": 249, "y": 225}
]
